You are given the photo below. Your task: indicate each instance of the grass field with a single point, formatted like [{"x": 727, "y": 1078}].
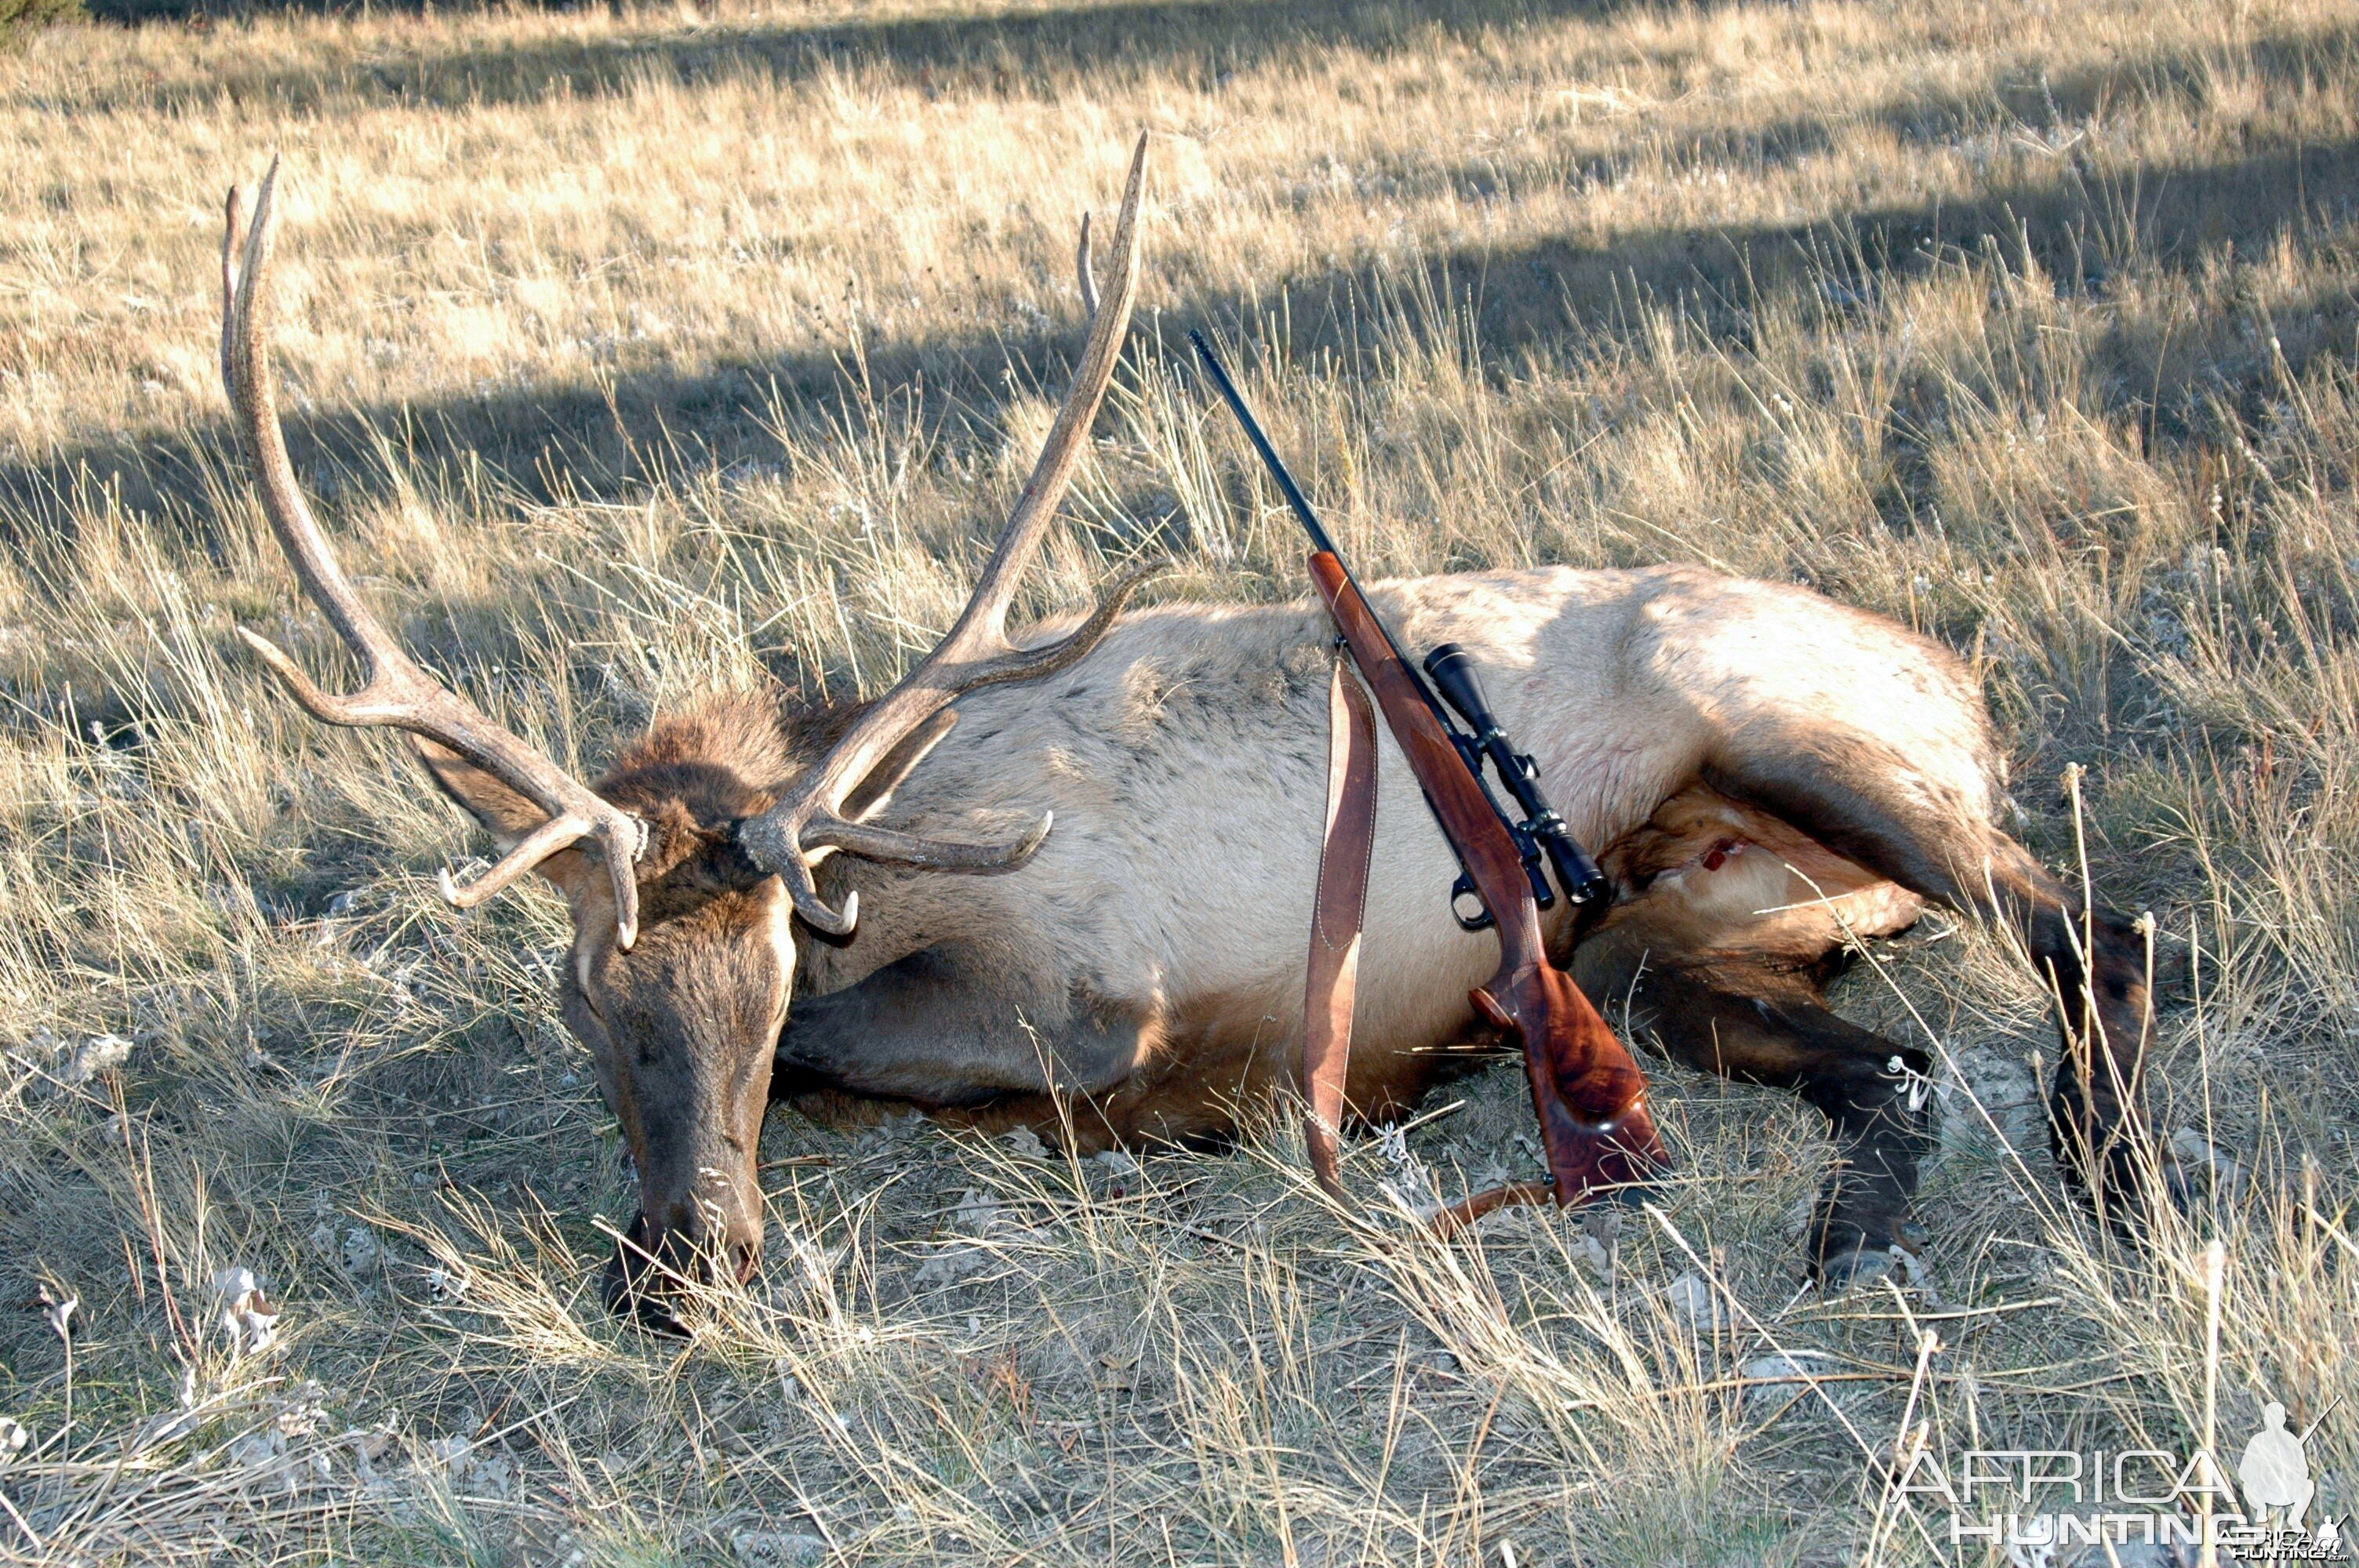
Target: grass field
[{"x": 640, "y": 353}]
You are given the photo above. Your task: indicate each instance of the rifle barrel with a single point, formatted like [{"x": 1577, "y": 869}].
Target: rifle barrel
[
  {"x": 1320, "y": 543},
  {"x": 1293, "y": 492}
]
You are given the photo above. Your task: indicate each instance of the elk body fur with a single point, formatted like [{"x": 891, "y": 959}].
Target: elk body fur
[
  {"x": 1771, "y": 777},
  {"x": 1155, "y": 944}
]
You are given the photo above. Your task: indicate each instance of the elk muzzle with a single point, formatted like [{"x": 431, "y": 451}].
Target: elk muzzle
[{"x": 706, "y": 1235}]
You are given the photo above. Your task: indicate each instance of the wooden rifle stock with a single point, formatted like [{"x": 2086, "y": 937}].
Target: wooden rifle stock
[{"x": 1590, "y": 1096}]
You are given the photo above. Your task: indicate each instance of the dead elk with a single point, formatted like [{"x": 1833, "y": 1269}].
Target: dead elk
[{"x": 1771, "y": 775}]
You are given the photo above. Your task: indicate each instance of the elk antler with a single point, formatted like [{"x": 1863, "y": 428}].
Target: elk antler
[
  {"x": 807, "y": 823},
  {"x": 395, "y": 693}
]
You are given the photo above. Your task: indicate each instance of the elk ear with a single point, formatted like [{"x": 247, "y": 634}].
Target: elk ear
[
  {"x": 875, "y": 791},
  {"x": 506, "y": 814}
]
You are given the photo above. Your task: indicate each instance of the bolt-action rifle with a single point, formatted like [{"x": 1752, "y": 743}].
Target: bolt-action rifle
[{"x": 1590, "y": 1094}]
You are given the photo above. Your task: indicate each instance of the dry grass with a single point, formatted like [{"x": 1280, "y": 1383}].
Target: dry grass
[{"x": 2033, "y": 326}]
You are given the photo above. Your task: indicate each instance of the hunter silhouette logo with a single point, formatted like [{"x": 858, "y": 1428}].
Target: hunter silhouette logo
[
  {"x": 2275, "y": 1473},
  {"x": 2276, "y": 1478}
]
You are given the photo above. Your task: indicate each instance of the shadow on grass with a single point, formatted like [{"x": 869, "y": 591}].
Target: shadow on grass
[
  {"x": 1555, "y": 298},
  {"x": 1018, "y": 49}
]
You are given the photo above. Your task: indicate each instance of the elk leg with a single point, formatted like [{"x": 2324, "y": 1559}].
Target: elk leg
[
  {"x": 1854, "y": 796},
  {"x": 923, "y": 1030},
  {"x": 1771, "y": 1027}
]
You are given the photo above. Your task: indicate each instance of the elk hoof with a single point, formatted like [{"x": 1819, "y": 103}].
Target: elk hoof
[
  {"x": 1842, "y": 1272},
  {"x": 2137, "y": 1182}
]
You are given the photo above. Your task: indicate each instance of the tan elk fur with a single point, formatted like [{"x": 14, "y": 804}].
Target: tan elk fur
[{"x": 1184, "y": 760}]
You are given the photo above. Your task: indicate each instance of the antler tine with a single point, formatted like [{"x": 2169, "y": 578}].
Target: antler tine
[
  {"x": 1032, "y": 664},
  {"x": 395, "y": 692},
  {"x": 806, "y": 824},
  {"x": 233, "y": 244}
]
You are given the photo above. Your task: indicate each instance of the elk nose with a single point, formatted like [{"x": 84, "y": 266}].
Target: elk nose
[
  {"x": 654, "y": 1265},
  {"x": 700, "y": 1241}
]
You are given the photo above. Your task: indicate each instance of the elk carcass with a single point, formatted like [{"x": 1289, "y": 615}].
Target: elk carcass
[{"x": 1067, "y": 882}]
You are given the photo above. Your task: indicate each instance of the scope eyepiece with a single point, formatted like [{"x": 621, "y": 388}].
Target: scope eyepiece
[{"x": 1455, "y": 674}]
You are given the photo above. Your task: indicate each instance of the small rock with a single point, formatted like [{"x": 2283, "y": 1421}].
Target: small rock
[
  {"x": 12, "y": 1438},
  {"x": 1775, "y": 1380},
  {"x": 100, "y": 1054},
  {"x": 777, "y": 1549},
  {"x": 1696, "y": 1304}
]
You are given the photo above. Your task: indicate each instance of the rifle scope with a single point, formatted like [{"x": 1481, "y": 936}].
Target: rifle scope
[{"x": 1453, "y": 673}]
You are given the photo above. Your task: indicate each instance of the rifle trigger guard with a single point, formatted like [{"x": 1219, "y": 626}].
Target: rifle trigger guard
[{"x": 1462, "y": 892}]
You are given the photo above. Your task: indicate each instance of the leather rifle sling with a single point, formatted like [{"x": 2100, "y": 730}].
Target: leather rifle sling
[{"x": 1337, "y": 916}]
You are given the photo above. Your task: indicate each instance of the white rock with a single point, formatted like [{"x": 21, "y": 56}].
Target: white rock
[
  {"x": 777, "y": 1549},
  {"x": 100, "y": 1054},
  {"x": 12, "y": 1438},
  {"x": 1696, "y": 1304}
]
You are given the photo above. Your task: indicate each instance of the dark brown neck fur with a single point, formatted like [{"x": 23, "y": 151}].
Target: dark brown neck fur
[{"x": 693, "y": 777}]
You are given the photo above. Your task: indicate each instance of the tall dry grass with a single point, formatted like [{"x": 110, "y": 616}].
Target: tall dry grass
[{"x": 641, "y": 353}]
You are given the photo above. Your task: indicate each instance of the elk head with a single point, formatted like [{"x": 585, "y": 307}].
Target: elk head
[{"x": 685, "y": 867}]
